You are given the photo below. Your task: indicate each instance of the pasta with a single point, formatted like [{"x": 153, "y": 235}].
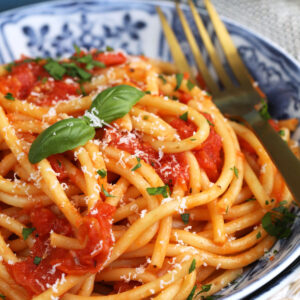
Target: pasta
[{"x": 120, "y": 179}]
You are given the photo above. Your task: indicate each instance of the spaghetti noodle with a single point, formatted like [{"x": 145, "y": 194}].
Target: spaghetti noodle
[{"x": 156, "y": 202}]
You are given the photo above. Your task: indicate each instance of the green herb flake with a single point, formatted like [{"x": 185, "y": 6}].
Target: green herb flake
[
  {"x": 236, "y": 171},
  {"x": 250, "y": 199},
  {"x": 2, "y": 296},
  {"x": 55, "y": 69},
  {"x": 210, "y": 123},
  {"x": 160, "y": 190},
  {"x": 109, "y": 49},
  {"x": 184, "y": 116},
  {"x": 102, "y": 173},
  {"x": 192, "y": 293},
  {"x": 145, "y": 117},
  {"x": 185, "y": 218},
  {"x": 278, "y": 221},
  {"x": 281, "y": 132},
  {"x": 37, "y": 260},
  {"x": 193, "y": 140},
  {"x": 264, "y": 110},
  {"x": 77, "y": 49},
  {"x": 26, "y": 232},
  {"x": 106, "y": 193},
  {"x": 258, "y": 236},
  {"x": 267, "y": 202},
  {"x": 138, "y": 165},
  {"x": 179, "y": 78},
  {"x": 192, "y": 266},
  {"x": 44, "y": 80},
  {"x": 148, "y": 92},
  {"x": 205, "y": 288},
  {"x": 190, "y": 85},
  {"x": 9, "y": 96},
  {"x": 162, "y": 77}
]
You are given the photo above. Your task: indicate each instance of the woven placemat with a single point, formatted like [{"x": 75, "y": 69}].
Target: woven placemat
[{"x": 278, "y": 21}]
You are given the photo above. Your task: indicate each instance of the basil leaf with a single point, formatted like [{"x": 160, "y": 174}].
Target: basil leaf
[
  {"x": 106, "y": 193},
  {"x": 264, "y": 110},
  {"x": 138, "y": 165},
  {"x": 62, "y": 136},
  {"x": 114, "y": 103},
  {"x": 190, "y": 85}
]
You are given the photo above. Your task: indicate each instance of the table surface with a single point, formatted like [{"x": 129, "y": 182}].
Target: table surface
[{"x": 278, "y": 21}]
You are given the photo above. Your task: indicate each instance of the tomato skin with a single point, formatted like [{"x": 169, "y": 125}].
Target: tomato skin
[
  {"x": 184, "y": 97},
  {"x": 56, "y": 261},
  {"x": 111, "y": 59},
  {"x": 58, "y": 167},
  {"x": 274, "y": 124},
  {"x": 185, "y": 129},
  {"x": 172, "y": 168}
]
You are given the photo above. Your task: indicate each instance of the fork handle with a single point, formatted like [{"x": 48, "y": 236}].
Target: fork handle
[{"x": 288, "y": 164}]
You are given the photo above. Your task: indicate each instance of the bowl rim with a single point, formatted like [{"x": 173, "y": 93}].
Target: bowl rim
[{"x": 294, "y": 253}]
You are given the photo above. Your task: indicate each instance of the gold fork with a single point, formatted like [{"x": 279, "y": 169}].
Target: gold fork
[{"x": 236, "y": 101}]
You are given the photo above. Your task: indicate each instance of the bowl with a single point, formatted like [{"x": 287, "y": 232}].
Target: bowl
[{"x": 52, "y": 29}]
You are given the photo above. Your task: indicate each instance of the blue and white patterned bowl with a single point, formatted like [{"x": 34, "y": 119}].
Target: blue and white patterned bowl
[{"x": 52, "y": 28}]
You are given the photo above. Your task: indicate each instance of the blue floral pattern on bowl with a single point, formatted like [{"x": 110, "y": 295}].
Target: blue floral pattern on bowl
[{"x": 52, "y": 29}]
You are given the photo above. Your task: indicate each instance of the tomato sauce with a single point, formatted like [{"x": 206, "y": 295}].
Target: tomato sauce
[
  {"x": 210, "y": 153},
  {"x": 172, "y": 168},
  {"x": 52, "y": 263}
]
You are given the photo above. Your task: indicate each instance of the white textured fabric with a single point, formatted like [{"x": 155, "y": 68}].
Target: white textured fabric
[{"x": 277, "y": 20}]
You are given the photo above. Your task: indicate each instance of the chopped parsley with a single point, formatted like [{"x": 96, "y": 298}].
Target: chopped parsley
[
  {"x": 162, "y": 77},
  {"x": 55, "y": 69},
  {"x": 184, "y": 116},
  {"x": 37, "y": 260},
  {"x": 109, "y": 49},
  {"x": 106, "y": 193},
  {"x": 210, "y": 123},
  {"x": 192, "y": 266},
  {"x": 26, "y": 232},
  {"x": 138, "y": 165},
  {"x": 160, "y": 190},
  {"x": 278, "y": 221},
  {"x": 192, "y": 293},
  {"x": 179, "y": 78},
  {"x": 190, "y": 85},
  {"x": 102, "y": 173},
  {"x": 258, "y": 236},
  {"x": 205, "y": 288},
  {"x": 236, "y": 171},
  {"x": 9, "y": 96},
  {"x": 185, "y": 218},
  {"x": 264, "y": 110}
]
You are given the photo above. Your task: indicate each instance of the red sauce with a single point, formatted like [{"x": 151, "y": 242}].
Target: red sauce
[
  {"x": 54, "y": 262},
  {"x": 210, "y": 153},
  {"x": 58, "y": 167},
  {"x": 184, "y": 97},
  {"x": 172, "y": 168}
]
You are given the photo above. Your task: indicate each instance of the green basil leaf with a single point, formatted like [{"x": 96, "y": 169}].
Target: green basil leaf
[
  {"x": 62, "y": 136},
  {"x": 9, "y": 96},
  {"x": 113, "y": 103},
  {"x": 160, "y": 190},
  {"x": 192, "y": 293},
  {"x": 102, "y": 173}
]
